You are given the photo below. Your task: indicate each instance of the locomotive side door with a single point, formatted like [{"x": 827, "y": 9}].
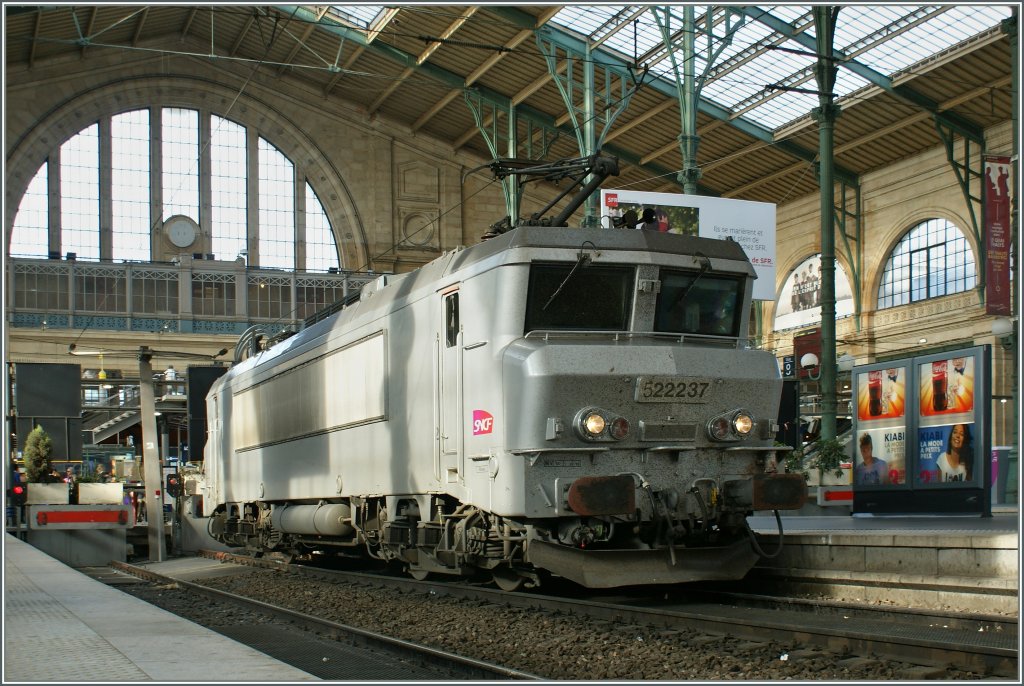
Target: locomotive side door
[{"x": 449, "y": 389}]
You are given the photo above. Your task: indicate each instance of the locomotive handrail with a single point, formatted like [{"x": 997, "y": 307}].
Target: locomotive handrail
[
  {"x": 616, "y": 335},
  {"x": 539, "y": 451}
]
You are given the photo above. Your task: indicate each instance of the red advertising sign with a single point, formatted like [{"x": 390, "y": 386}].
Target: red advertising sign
[{"x": 997, "y": 235}]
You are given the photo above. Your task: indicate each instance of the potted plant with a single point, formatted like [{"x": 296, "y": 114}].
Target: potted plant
[
  {"x": 829, "y": 456},
  {"x": 38, "y": 455},
  {"x": 826, "y": 456}
]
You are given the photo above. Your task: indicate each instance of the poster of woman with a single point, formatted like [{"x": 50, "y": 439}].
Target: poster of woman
[
  {"x": 946, "y": 454},
  {"x": 947, "y": 386},
  {"x": 881, "y": 394}
]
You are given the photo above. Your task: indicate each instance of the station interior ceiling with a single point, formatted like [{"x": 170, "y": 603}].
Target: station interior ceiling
[
  {"x": 902, "y": 68},
  {"x": 906, "y": 74}
]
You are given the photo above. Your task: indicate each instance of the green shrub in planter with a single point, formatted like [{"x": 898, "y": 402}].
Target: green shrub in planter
[{"x": 37, "y": 455}]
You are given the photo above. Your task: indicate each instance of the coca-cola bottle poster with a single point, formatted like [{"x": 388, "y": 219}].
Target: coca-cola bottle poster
[
  {"x": 947, "y": 387},
  {"x": 882, "y": 393}
]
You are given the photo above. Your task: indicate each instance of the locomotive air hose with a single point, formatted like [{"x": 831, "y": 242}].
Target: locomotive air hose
[{"x": 753, "y": 538}]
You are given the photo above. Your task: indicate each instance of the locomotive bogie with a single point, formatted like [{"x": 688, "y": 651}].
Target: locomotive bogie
[{"x": 576, "y": 401}]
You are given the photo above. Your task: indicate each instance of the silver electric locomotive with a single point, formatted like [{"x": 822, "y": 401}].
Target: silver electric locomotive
[{"x": 581, "y": 402}]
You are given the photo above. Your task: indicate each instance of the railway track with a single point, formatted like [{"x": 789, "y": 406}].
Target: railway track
[
  {"x": 438, "y": 664},
  {"x": 930, "y": 643}
]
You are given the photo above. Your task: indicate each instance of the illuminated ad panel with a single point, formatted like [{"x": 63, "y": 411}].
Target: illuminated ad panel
[
  {"x": 920, "y": 433},
  {"x": 948, "y": 449},
  {"x": 880, "y": 446}
]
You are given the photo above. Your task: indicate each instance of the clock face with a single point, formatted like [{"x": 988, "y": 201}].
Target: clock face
[{"x": 180, "y": 230}]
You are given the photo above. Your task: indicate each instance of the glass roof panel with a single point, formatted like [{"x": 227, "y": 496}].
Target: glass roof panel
[
  {"x": 587, "y": 20},
  {"x": 357, "y": 15},
  {"x": 887, "y": 38},
  {"x": 937, "y": 34}
]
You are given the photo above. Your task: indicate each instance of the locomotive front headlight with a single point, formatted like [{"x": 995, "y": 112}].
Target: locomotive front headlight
[
  {"x": 593, "y": 424},
  {"x": 743, "y": 423}
]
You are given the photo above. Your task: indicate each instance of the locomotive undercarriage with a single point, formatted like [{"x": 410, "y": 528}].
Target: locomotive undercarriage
[{"x": 668, "y": 537}]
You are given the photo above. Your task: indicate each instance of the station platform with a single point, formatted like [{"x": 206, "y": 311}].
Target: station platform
[
  {"x": 964, "y": 562},
  {"x": 62, "y": 626}
]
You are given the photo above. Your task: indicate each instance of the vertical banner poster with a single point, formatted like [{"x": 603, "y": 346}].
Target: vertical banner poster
[
  {"x": 751, "y": 224},
  {"x": 997, "y": 235},
  {"x": 947, "y": 424},
  {"x": 880, "y": 447}
]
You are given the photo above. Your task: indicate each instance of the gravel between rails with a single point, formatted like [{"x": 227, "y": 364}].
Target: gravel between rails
[{"x": 554, "y": 646}]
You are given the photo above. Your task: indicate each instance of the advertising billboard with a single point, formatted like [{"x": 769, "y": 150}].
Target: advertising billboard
[
  {"x": 920, "y": 434},
  {"x": 947, "y": 451},
  {"x": 751, "y": 224},
  {"x": 799, "y": 302},
  {"x": 880, "y": 438}
]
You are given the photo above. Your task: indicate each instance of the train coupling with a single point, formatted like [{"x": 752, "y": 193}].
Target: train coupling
[{"x": 767, "y": 492}]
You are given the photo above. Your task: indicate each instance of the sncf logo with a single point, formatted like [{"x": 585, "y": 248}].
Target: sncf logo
[{"x": 483, "y": 422}]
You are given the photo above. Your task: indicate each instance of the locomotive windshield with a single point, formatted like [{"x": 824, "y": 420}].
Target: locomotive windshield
[
  {"x": 695, "y": 302},
  {"x": 579, "y": 297}
]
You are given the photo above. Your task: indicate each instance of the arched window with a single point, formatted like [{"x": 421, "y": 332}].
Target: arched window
[
  {"x": 31, "y": 223},
  {"x": 160, "y": 166},
  {"x": 933, "y": 259}
]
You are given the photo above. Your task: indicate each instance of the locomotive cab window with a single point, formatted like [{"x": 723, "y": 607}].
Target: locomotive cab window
[
  {"x": 451, "y": 320},
  {"x": 579, "y": 297},
  {"x": 697, "y": 303}
]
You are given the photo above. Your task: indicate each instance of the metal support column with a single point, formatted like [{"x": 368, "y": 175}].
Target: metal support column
[
  {"x": 592, "y": 111},
  {"x": 499, "y": 125},
  {"x": 826, "y": 114},
  {"x": 847, "y": 218},
  {"x": 152, "y": 473},
  {"x": 689, "y": 86},
  {"x": 969, "y": 173}
]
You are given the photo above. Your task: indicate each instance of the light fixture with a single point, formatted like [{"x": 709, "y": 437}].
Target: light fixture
[
  {"x": 1002, "y": 326},
  {"x": 808, "y": 361},
  {"x": 922, "y": 341},
  {"x": 103, "y": 373}
]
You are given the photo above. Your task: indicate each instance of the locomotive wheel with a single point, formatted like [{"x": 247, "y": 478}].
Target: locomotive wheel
[
  {"x": 507, "y": 579},
  {"x": 419, "y": 574}
]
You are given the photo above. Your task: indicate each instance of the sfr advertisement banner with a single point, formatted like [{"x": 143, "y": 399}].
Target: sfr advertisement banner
[{"x": 751, "y": 224}]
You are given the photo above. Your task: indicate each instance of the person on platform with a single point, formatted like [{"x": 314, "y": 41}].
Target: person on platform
[
  {"x": 870, "y": 471},
  {"x": 101, "y": 474}
]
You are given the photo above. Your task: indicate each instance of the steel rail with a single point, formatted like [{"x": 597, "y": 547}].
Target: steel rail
[
  {"x": 471, "y": 668},
  {"x": 981, "y": 652}
]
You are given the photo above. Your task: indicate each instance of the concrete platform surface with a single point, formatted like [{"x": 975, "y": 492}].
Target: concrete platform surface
[{"x": 62, "y": 626}]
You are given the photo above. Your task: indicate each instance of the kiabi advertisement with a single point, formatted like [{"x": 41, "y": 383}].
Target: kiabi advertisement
[
  {"x": 946, "y": 454},
  {"x": 880, "y": 457}
]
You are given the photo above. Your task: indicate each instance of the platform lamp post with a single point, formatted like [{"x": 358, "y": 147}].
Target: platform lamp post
[{"x": 151, "y": 458}]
